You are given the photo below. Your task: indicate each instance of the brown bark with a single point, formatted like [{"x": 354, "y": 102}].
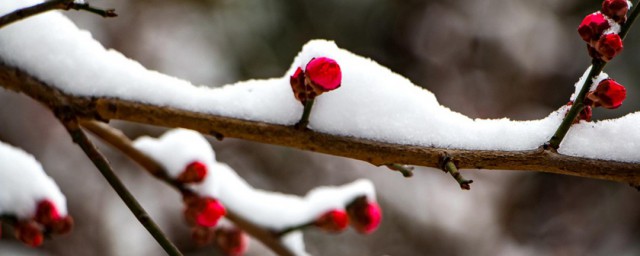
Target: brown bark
[{"x": 377, "y": 153}]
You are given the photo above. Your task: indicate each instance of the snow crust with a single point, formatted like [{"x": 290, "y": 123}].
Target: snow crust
[
  {"x": 23, "y": 184},
  {"x": 373, "y": 103},
  {"x": 178, "y": 147}
]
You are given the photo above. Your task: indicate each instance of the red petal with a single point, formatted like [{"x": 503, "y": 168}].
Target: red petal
[{"x": 324, "y": 73}]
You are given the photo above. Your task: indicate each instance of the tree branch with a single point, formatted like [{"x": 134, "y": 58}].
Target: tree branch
[
  {"x": 597, "y": 66},
  {"x": 121, "y": 142},
  {"x": 377, "y": 153},
  {"x": 71, "y": 124},
  {"x": 52, "y": 5}
]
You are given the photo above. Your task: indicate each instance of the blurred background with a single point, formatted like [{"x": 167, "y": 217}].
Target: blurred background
[{"x": 485, "y": 59}]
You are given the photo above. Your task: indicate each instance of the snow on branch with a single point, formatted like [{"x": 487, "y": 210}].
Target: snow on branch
[
  {"x": 376, "y": 115},
  {"x": 30, "y": 200},
  {"x": 183, "y": 151}
]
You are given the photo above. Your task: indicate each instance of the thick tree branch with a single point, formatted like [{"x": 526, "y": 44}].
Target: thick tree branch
[
  {"x": 52, "y": 5},
  {"x": 377, "y": 153},
  {"x": 121, "y": 142}
]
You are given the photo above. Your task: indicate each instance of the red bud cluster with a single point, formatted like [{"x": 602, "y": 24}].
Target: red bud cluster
[
  {"x": 203, "y": 211},
  {"x": 365, "y": 215},
  {"x": 333, "y": 221},
  {"x": 320, "y": 75},
  {"x": 601, "y": 45},
  {"x": 616, "y": 9},
  {"x": 608, "y": 94},
  {"x": 46, "y": 220},
  {"x": 195, "y": 172},
  {"x": 231, "y": 240}
]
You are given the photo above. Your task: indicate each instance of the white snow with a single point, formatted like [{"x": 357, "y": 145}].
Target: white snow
[
  {"x": 295, "y": 242},
  {"x": 181, "y": 146},
  {"x": 373, "y": 103},
  {"x": 23, "y": 184},
  {"x": 275, "y": 211},
  {"x": 594, "y": 82}
]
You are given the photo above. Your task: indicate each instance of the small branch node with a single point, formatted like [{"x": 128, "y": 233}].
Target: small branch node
[
  {"x": 448, "y": 165},
  {"x": 107, "y": 13},
  {"x": 405, "y": 170}
]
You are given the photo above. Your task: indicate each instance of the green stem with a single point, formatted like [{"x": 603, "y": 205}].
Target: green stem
[
  {"x": 80, "y": 138},
  {"x": 407, "y": 171},
  {"x": 450, "y": 167},
  {"x": 596, "y": 68},
  {"x": 304, "y": 120}
]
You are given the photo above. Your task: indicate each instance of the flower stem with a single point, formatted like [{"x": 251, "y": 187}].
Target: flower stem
[
  {"x": 596, "y": 68},
  {"x": 304, "y": 120}
]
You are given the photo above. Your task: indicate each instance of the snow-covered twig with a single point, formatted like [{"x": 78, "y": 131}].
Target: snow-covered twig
[
  {"x": 121, "y": 142},
  {"x": 52, "y": 5},
  {"x": 597, "y": 67},
  {"x": 80, "y": 138},
  {"x": 374, "y": 152}
]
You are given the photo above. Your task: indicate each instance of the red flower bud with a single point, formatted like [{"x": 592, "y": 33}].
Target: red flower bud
[
  {"x": 333, "y": 221},
  {"x": 592, "y": 27},
  {"x": 616, "y": 9},
  {"x": 195, "y": 172},
  {"x": 609, "y": 46},
  {"x": 585, "y": 114},
  {"x": 365, "y": 216},
  {"x": 29, "y": 233},
  {"x": 202, "y": 235},
  {"x": 608, "y": 94},
  {"x": 232, "y": 241},
  {"x": 61, "y": 226},
  {"x": 204, "y": 211},
  {"x": 46, "y": 213},
  {"x": 301, "y": 91},
  {"x": 324, "y": 74}
]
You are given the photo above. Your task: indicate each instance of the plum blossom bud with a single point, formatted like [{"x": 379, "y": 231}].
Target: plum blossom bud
[
  {"x": 592, "y": 27},
  {"x": 29, "y": 233},
  {"x": 61, "y": 226},
  {"x": 232, "y": 241},
  {"x": 202, "y": 235},
  {"x": 333, "y": 221},
  {"x": 320, "y": 75},
  {"x": 365, "y": 215},
  {"x": 46, "y": 213},
  {"x": 586, "y": 114},
  {"x": 609, "y": 46},
  {"x": 324, "y": 74},
  {"x": 195, "y": 172},
  {"x": 203, "y": 211},
  {"x": 608, "y": 94},
  {"x": 616, "y": 9}
]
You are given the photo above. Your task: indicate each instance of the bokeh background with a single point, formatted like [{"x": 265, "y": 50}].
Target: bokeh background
[{"x": 485, "y": 59}]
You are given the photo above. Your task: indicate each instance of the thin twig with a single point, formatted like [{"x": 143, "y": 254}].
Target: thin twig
[
  {"x": 80, "y": 138},
  {"x": 405, "y": 170},
  {"x": 597, "y": 67},
  {"x": 117, "y": 139},
  {"x": 27, "y": 12},
  {"x": 450, "y": 167}
]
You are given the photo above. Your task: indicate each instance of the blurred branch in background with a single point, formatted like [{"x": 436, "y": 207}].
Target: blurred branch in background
[{"x": 53, "y": 5}]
